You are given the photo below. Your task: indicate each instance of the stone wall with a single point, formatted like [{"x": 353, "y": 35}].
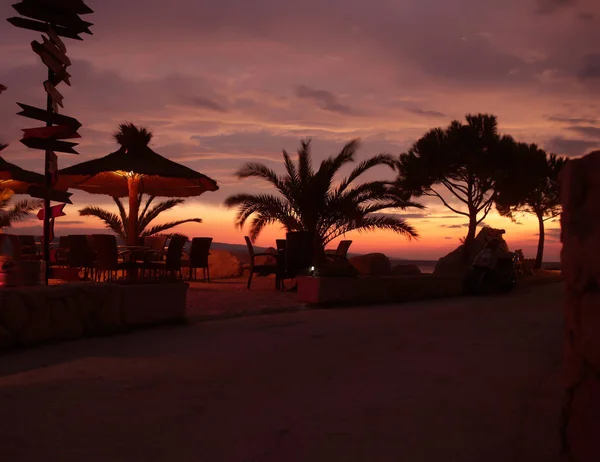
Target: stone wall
[
  {"x": 35, "y": 315},
  {"x": 580, "y": 429}
]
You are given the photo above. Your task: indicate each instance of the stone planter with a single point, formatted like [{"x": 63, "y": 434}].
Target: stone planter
[
  {"x": 45, "y": 314},
  {"x": 376, "y": 290}
]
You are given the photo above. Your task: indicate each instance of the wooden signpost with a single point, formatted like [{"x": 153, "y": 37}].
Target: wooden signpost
[{"x": 55, "y": 18}]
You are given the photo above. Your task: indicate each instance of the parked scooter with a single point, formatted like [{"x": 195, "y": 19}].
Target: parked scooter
[{"x": 494, "y": 270}]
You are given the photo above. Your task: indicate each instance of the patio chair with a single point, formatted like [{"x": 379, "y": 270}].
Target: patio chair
[
  {"x": 81, "y": 254},
  {"x": 198, "y": 257},
  {"x": 60, "y": 256},
  {"x": 107, "y": 257},
  {"x": 261, "y": 269},
  {"x": 29, "y": 249},
  {"x": 341, "y": 252},
  {"x": 170, "y": 260},
  {"x": 156, "y": 244}
]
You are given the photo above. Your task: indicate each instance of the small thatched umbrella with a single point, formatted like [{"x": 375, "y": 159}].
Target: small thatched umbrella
[
  {"x": 17, "y": 179},
  {"x": 133, "y": 170}
]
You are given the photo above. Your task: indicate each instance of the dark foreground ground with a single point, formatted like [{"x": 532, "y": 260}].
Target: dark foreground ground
[{"x": 449, "y": 380}]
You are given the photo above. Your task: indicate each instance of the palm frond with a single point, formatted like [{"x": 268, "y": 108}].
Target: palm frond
[
  {"x": 364, "y": 166},
  {"x": 130, "y": 135},
  {"x": 157, "y": 210},
  {"x": 111, "y": 220},
  {"x": 19, "y": 211},
  {"x": 305, "y": 169},
  {"x": 122, "y": 212},
  {"x": 145, "y": 209},
  {"x": 165, "y": 226}
]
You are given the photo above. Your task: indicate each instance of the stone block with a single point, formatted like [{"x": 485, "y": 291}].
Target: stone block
[
  {"x": 224, "y": 264},
  {"x": 405, "y": 270},
  {"x": 583, "y": 432},
  {"x": 146, "y": 304},
  {"x": 66, "y": 319},
  {"x": 372, "y": 264},
  {"x": 13, "y": 312}
]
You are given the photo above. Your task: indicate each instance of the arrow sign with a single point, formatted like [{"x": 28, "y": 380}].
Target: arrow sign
[
  {"x": 39, "y": 192},
  {"x": 56, "y": 52},
  {"x": 42, "y": 27},
  {"x": 58, "y": 132},
  {"x": 55, "y": 39},
  {"x": 50, "y": 144},
  {"x": 63, "y": 18},
  {"x": 49, "y": 117},
  {"x": 57, "y": 98},
  {"x": 62, "y": 76},
  {"x": 70, "y": 6},
  {"x": 47, "y": 58},
  {"x": 55, "y": 212}
]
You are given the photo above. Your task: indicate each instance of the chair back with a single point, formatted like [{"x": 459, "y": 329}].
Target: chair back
[
  {"x": 63, "y": 242},
  {"x": 174, "y": 251},
  {"x": 156, "y": 243},
  {"x": 27, "y": 244},
  {"x": 342, "y": 248},
  {"x": 105, "y": 246},
  {"x": 10, "y": 246},
  {"x": 299, "y": 251},
  {"x": 199, "y": 251},
  {"x": 250, "y": 248},
  {"x": 80, "y": 251}
]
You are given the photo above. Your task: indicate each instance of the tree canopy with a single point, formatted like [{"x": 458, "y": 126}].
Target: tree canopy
[
  {"x": 531, "y": 185},
  {"x": 458, "y": 165}
]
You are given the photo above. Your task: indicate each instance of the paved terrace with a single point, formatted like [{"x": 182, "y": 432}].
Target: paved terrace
[{"x": 467, "y": 379}]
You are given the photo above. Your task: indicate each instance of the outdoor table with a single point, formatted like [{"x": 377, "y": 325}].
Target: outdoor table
[{"x": 134, "y": 250}]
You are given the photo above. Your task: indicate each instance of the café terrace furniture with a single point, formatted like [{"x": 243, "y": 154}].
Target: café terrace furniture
[
  {"x": 260, "y": 269},
  {"x": 198, "y": 257},
  {"x": 341, "y": 252},
  {"x": 29, "y": 248},
  {"x": 170, "y": 260},
  {"x": 108, "y": 260}
]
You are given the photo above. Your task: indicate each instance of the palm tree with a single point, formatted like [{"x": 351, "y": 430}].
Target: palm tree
[
  {"x": 308, "y": 200},
  {"x": 118, "y": 223},
  {"x": 18, "y": 211},
  {"x": 533, "y": 186}
]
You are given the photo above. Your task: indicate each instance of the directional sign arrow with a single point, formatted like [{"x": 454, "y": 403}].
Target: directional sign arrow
[
  {"x": 71, "y": 6},
  {"x": 47, "y": 58},
  {"x": 56, "y": 52},
  {"x": 55, "y": 39},
  {"x": 55, "y": 212},
  {"x": 50, "y": 117},
  {"x": 62, "y": 76},
  {"x": 44, "y": 13},
  {"x": 54, "y": 93},
  {"x": 57, "y": 132},
  {"x": 43, "y": 27},
  {"x": 39, "y": 192},
  {"x": 46, "y": 144}
]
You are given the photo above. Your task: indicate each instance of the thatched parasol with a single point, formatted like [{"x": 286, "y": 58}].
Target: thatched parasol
[
  {"x": 17, "y": 179},
  {"x": 133, "y": 170}
]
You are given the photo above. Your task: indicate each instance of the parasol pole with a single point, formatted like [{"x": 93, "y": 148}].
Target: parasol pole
[{"x": 133, "y": 184}]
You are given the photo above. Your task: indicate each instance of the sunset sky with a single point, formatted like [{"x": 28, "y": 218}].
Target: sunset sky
[{"x": 223, "y": 83}]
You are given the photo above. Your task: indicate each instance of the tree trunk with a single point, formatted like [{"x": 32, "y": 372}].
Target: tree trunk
[
  {"x": 133, "y": 183},
  {"x": 540, "y": 250},
  {"x": 468, "y": 245}
]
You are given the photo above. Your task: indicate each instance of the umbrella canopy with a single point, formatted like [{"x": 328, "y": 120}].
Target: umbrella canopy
[
  {"x": 157, "y": 176},
  {"x": 17, "y": 179},
  {"x": 133, "y": 170}
]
